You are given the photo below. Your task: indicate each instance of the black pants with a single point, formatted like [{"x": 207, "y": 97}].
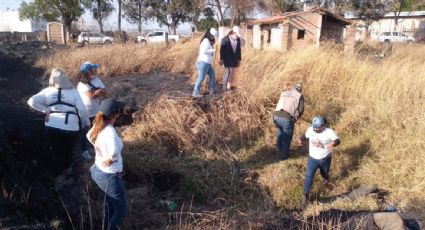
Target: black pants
[{"x": 62, "y": 144}]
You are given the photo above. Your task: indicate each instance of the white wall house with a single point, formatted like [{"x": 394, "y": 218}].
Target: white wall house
[
  {"x": 408, "y": 22},
  {"x": 10, "y": 22}
]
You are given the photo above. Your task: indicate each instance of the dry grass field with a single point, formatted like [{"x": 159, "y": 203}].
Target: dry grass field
[{"x": 376, "y": 106}]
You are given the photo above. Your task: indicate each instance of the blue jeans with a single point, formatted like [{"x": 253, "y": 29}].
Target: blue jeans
[
  {"x": 203, "y": 69},
  {"x": 285, "y": 131},
  {"x": 323, "y": 165},
  {"x": 116, "y": 197}
]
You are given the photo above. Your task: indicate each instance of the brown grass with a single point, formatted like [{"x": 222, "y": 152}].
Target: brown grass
[{"x": 376, "y": 106}]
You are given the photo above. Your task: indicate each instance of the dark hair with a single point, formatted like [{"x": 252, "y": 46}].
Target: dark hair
[
  {"x": 208, "y": 36},
  {"x": 230, "y": 32},
  {"x": 84, "y": 77}
]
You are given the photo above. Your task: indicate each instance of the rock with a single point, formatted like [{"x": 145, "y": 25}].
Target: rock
[
  {"x": 362, "y": 191},
  {"x": 388, "y": 221}
]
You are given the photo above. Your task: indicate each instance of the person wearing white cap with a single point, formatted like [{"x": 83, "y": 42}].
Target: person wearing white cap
[
  {"x": 65, "y": 114},
  {"x": 91, "y": 90},
  {"x": 204, "y": 63},
  {"x": 230, "y": 56}
]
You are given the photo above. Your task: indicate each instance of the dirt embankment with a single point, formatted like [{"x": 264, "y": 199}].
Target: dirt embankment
[{"x": 28, "y": 197}]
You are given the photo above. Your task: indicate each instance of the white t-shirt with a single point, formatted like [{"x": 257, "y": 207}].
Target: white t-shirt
[
  {"x": 92, "y": 104},
  {"x": 206, "y": 51},
  {"x": 57, "y": 117},
  {"x": 108, "y": 146},
  {"x": 318, "y": 142}
]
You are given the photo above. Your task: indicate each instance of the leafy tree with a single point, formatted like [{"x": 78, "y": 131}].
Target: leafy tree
[
  {"x": 369, "y": 10},
  {"x": 136, "y": 11},
  {"x": 208, "y": 21},
  {"x": 101, "y": 9},
  {"x": 286, "y": 5},
  {"x": 65, "y": 10},
  {"x": 173, "y": 12}
]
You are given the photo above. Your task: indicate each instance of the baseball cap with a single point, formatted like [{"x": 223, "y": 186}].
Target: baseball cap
[
  {"x": 110, "y": 106},
  {"x": 214, "y": 32},
  {"x": 236, "y": 30},
  {"x": 317, "y": 122},
  {"x": 87, "y": 66}
]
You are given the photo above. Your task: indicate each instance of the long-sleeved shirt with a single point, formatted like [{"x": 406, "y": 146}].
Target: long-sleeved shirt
[
  {"x": 108, "y": 145},
  {"x": 206, "y": 51},
  {"x": 58, "y": 113}
]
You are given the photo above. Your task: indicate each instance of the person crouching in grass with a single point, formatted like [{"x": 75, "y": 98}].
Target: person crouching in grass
[{"x": 322, "y": 140}]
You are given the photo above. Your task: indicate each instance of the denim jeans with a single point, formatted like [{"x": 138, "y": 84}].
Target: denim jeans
[
  {"x": 116, "y": 197},
  {"x": 203, "y": 69},
  {"x": 285, "y": 131},
  {"x": 312, "y": 165}
]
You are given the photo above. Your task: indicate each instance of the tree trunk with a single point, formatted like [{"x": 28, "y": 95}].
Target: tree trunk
[
  {"x": 220, "y": 12},
  {"x": 99, "y": 15},
  {"x": 67, "y": 30},
  {"x": 139, "y": 23},
  {"x": 119, "y": 19}
]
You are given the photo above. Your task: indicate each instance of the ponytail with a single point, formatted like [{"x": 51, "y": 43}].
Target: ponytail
[{"x": 99, "y": 123}]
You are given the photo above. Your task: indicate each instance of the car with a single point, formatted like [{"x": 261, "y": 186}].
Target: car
[
  {"x": 86, "y": 38},
  {"x": 395, "y": 37},
  {"x": 157, "y": 36}
]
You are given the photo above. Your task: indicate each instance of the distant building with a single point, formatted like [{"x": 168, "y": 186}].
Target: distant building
[
  {"x": 10, "y": 22},
  {"x": 409, "y": 23},
  {"x": 296, "y": 29}
]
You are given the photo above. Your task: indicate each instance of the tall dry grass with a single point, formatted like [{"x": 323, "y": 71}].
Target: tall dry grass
[{"x": 376, "y": 106}]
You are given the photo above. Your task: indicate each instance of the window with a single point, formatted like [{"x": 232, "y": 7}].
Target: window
[{"x": 301, "y": 34}]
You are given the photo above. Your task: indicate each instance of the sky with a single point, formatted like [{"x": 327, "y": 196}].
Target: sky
[{"x": 109, "y": 24}]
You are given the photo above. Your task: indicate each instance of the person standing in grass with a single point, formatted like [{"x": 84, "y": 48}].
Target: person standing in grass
[
  {"x": 289, "y": 109},
  {"x": 230, "y": 57},
  {"x": 204, "y": 65},
  {"x": 108, "y": 167},
  {"x": 91, "y": 90},
  {"x": 65, "y": 114},
  {"x": 322, "y": 141}
]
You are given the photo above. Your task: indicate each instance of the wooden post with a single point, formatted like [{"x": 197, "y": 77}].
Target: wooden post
[{"x": 166, "y": 38}]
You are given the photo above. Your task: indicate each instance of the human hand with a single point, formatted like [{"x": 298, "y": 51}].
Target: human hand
[
  {"x": 299, "y": 142},
  {"x": 238, "y": 63},
  {"x": 330, "y": 146},
  {"x": 221, "y": 62},
  {"x": 107, "y": 163},
  {"x": 46, "y": 118}
]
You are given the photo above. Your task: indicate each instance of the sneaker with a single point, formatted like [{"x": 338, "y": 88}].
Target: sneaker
[
  {"x": 197, "y": 95},
  {"x": 86, "y": 155}
]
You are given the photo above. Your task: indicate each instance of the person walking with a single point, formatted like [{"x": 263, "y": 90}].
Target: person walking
[
  {"x": 289, "y": 109},
  {"x": 230, "y": 57},
  {"x": 322, "y": 141},
  {"x": 65, "y": 113},
  {"x": 204, "y": 64},
  {"x": 91, "y": 90},
  {"x": 108, "y": 167}
]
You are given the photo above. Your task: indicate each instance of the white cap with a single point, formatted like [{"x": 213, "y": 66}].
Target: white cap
[
  {"x": 214, "y": 32},
  {"x": 236, "y": 30}
]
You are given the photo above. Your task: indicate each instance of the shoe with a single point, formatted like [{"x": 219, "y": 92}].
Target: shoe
[
  {"x": 197, "y": 95},
  {"x": 86, "y": 155}
]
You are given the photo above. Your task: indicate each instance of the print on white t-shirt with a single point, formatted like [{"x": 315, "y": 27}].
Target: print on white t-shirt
[{"x": 318, "y": 142}]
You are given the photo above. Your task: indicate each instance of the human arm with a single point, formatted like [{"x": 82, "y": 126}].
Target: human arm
[
  {"x": 206, "y": 47},
  {"x": 113, "y": 147},
  {"x": 82, "y": 111},
  {"x": 301, "y": 106},
  {"x": 39, "y": 102},
  {"x": 222, "y": 50},
  {"x": 333, "y": 144}
]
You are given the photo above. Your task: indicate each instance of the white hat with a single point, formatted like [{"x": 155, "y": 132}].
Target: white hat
[
  {"x": 236, "y": 30},
  {"x": 214, "y": 32},
  {"x": 59, "y": 79}
]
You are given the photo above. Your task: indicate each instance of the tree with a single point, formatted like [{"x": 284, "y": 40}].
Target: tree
[
  {"x": 65, "y": 10},
  {"x": 219, "y": 6},
  {"x": 208, "y": 21},
  {"x": 136, "y": 11},
  {"x": 285, "y": 5},
  {"x": 119, "y": 19},
  {"x": 369, "y": 10},
  {"x": 173, "y": 12},
  {"x": 101, "y": 9}
]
